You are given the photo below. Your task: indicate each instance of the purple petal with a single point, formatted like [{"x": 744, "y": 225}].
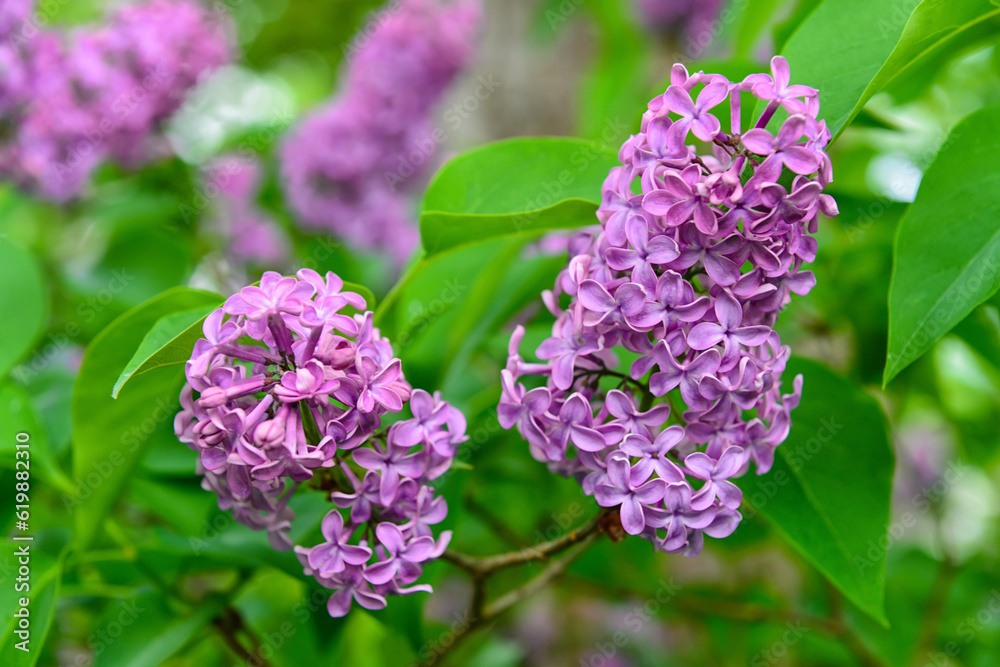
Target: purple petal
[
  {"x": 633, "y": 520},
  {"x": 705, "y": 335}
]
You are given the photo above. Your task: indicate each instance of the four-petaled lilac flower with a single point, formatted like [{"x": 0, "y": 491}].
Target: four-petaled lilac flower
[
  {"x": 677, "y": 516},
  {"x": 401, "y": 555},
  {"x": 575, "y": 424},
  {"x": 776, "y": 87},
  {"x": 373, "y": 385},
  {"x": 603, "y": 308},
  {"x": 728, "y": 331},
  {"x": 305, "y": 383},
  {"x": 642, "y": 252},
  {"x": 392, "y": 463},
  {"x": 564, "y": 348},
  {"x": 351, "y": 585},
  {"x": 334, "y": 555},
  {"x": 684, "y": 198},
  {"x": 520, "y": 405},
  {"x": 627, "y": 487},
  {"x": 654, "y": 456},
  {"x": 785, "y": 147},
  {"x": 623, "y": 408},
  {"x": 694, "y": 116},
  {"x": 716, "y": 475},
  {"x": 275, "y": 296},
  {"x": 687, "y": 374}
]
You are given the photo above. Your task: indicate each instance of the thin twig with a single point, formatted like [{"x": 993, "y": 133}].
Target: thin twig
[
  {"x": 930, "y": 625},
  {"x": 486, "y": 565},
  {"x": 554, "y": 570},
  {"x": 483, "y": 614},
  {"x": 744, "y": 612},
  {"x": 228, "y": 623}
]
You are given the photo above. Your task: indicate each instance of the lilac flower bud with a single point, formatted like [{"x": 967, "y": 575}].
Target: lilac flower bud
[
  {"x": 687, "y": 277},
  {"x": 290, "y": 388}
]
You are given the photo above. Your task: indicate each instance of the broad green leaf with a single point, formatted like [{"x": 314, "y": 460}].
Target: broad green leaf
[
  {"x": 784, "y": 29},
  {"x": 154, "y": 632},
  {"x": 480, "y": 209},
  {"x": 17, "y": 416},
  {"x": 109, "y": 435},
  {"x": 947, "y": 253},
  {"x": 840, "y": 48},
  {"x": 435, "y": 300},
  {"x": 933, "y": 26},
  {"x": 829, "y": 490},
  {"x": 515, "y": 187},
  {"x": 46, "y": 575},
  {"x": 168, "y": 343},
  {"x": 23, "y": 302},
  {"x": 223, "y": 543},
  {"x": 370, "y": 643}
]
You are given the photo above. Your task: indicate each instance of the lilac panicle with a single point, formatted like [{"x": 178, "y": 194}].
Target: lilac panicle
[
  {"x": 285, "y": 389},
  {"x": 346, "y": 166},
  {"x": 705, "y": 230},
  {"x": 75, "y": 99}
]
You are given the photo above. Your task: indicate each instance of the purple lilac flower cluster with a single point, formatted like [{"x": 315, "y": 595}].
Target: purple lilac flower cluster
[
  {"x": 347, "y": 165},
  {"x": 290, "y": 388},
  {"x": 73, "y": 100},
  {"x": 697, "y": 253}
]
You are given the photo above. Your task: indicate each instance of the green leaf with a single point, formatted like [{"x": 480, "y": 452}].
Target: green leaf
[
  {"x": 829, "y": 490},
  {"x": 223, "y": 543},
  {"x": 18, "y": 415},
  {"x": 932, "y": 27},
  {"x": 168, "y": 343},
  {"x": 46, "y": 576},
  {"x": 23, "y": 302},
  {"x": 948, "y": 243},
  {"x": 156, "y": 634},
  {"x": 840, "y": 48},
  {"x": 369, "y": 643},
  {"x": 752, "y": 23},
  {"x": 784, "y": 29},
  {"x": 109, "y": 435},
  {"x": 516, "y": 187}
]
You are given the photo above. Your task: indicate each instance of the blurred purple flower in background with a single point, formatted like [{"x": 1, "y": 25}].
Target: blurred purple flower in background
[
  {"x": 100, "y": 93},
  {"x": 289, "y": 387},
  {"x": 347, "y": 165},
  {"x": 687, "y": 17},
  {"x": 250, "y": 235},
  {"x": 697, "y": 254}
]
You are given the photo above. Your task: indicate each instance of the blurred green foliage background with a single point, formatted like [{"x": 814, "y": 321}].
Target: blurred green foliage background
[{"x": 166, "y": 575}]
